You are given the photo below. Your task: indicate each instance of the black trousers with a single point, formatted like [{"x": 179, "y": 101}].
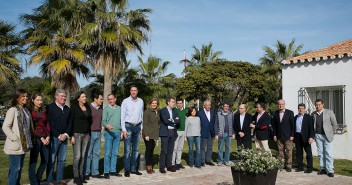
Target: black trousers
[
  {"x": 245, "y": 141},
  {"x": 149, "y": 151},
  {"x": 167, "y": 148},
  {"x": 300, "y": 145}
]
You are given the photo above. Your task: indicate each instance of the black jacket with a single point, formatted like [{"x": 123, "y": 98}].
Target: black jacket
[
  {"x": 307, "y": 130},
  {"x": 285, "y": 129},
  {"x": 59, "y": 120},
  {"x": 262, "y": 126},
  {"x": 164, "y": 119},
  {"x": 81, "y": 121},
  {"x": 245, "y": 128}
]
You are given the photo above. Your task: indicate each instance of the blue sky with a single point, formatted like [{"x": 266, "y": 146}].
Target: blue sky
[{"x": 239, "y": 29}]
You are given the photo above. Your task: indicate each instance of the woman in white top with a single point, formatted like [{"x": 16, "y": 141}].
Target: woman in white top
[{"x": 192, "y": 130}]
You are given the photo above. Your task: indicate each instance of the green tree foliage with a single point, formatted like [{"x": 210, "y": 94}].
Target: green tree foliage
[
  {"x": 238, "y": 82},
  {"x": 10, "y": 68}
]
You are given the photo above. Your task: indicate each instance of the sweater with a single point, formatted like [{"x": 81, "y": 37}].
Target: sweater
[
  {"x": 220, "y": 123},
  {"x": 112, "y": 116},
  {"x": 40, "y": 123},
  {"x": 59, "y": 119},
  {"x": 97, "y": 116},
  {"x": 192, "y": 126},
  {"x": 81, "y": 120},
  {"x": 151, "y": 119},
  {"x": 182, "y": 117}
]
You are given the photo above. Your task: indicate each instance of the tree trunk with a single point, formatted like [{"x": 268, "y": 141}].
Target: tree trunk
[{"x": 107, "y": 85}]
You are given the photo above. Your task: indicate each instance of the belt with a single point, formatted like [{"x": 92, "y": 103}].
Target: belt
[{"x": 137, "y": 124}]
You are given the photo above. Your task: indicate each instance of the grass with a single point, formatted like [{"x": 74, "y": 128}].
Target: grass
[{"x": 342, "y": 167}]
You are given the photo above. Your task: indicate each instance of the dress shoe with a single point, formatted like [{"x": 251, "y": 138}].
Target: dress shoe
[
  {"x": 106, "y": 176},
  {"x": 86, "y": 177},
  {"x": 162, "y": 170},
  {"x": 136, "y": 173},
  {"x": 331, "y": 174},
  {"x": 191, "y": 165},
  {"x": 176, "y": 167},
  {"x": 77, "y": 181},
  {"x": 127, "y": 174},
  {"x": 210, "y": 163},
  {"x": 171, "y": 169},
  {"x": 322, "y": 172},
  {"x": 299, "y": 170},
  {"x": 62, "y": 182},
  {"x": 199, "y": 167},
  {"x": 180, "y": 166},
  {"x": 288, "y": 169},
  {"x": 51, "y": 183},
  {"x": 203, "y": 164},
  {"x": 115, "y": 174},
  {"x": 308, "y": 171},
  {"x": 97, "y": 176},
  {"x": 82, "y": 179}
]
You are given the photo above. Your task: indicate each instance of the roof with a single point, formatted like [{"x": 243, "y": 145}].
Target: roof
[{"x": 338, "y": 50}]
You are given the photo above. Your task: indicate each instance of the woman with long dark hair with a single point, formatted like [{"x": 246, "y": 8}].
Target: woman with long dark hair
[
  {"x": 151, "y": 121},
  {"x": 41, "y": 139},
  {"x": 81, "y": 121},
  {"x": 18, "y": 129}
]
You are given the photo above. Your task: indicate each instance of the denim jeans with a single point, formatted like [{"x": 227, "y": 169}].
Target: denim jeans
[
  {"x": 43, "y": 150},
  {"x": 226, "y": 139},
  {"x": 79, "y": 152},
  {"x": 111, "y": 150},
  {"x": 58, "y": 148},
  {"x": 16, "y": 164},
  {"x": 93, "y": 155},
  {"x": 177, "y": 153},
  {"x": 131, "y": 147},
  {"x": 206, "y": 148},
  {"x": 325, "y": 154},
  {"x": 191, "y": 141}
]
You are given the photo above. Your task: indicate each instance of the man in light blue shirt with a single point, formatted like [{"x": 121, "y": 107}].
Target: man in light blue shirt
[{"x": 131, "y": 124}]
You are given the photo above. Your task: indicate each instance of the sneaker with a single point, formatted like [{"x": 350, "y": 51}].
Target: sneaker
[
  {"x": 229, "y": 163},
  {"x": 219, "y": 164}
]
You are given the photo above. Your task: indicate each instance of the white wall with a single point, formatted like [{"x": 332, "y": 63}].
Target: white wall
[{"x": 322, "y": 73}]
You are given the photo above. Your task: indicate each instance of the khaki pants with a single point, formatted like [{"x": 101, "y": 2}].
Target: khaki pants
[
  {"x": 285, "y": 148},
  {"x": 263, "y": 144}
]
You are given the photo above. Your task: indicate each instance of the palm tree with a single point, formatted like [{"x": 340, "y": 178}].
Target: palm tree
[
  {"x": 271, "y": 61},
  {"x": 152, "y": 71},
  {"x": 113, "y": 33},
  {"x": 52, "y": 42},
  {"x": 203, "y": 55},
  {"x": 10, "y": 68}
]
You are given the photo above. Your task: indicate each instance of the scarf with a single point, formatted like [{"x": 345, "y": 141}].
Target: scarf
[{"x": 25, "y": 126}]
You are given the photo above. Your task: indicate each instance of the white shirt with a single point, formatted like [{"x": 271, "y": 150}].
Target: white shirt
[
  {"x": 242, "y": 119},
  {"x": 170, "y": 112},
  {"x": 132, "y": 112},
  {"x": 207, "y": 113}
]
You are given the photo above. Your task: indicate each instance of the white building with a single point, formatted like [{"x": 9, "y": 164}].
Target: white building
[{"x": 325, "y": 74}]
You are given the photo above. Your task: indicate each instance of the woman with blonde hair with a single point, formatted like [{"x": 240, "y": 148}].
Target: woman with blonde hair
[{"x": 151, "y": 120}]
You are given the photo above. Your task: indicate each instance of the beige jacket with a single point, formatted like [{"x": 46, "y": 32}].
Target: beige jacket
[{"x": 13, "y": 144}]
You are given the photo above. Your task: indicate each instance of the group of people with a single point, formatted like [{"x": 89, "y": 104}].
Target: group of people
[{"x": 46, "y": 131}]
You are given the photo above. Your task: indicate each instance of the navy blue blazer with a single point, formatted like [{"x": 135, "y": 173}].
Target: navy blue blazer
[
  {"x": 207, "y": 126},
  {"x": 307, "y": 129},
  {"x": 164, "y": 119}
]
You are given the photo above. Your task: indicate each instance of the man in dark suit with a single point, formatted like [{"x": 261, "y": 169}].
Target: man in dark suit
[
  {"x": 261, "y": 127},
  {"x": 283, "y": 127},
  {"x": 168, "y": 134},
  {"x": 241, "y": 127},
  {"x": 303, "y": 124},
  {"x": 207, "y": 132}
]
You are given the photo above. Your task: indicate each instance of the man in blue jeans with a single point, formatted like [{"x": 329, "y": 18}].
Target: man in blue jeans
[
  {"x": 93, "y": 155},
  {"x": 131, "y": 123},
  {"x": 112, "y": 123},
  {"x": 325, "y": 125},
  {"x": 60, "y": 128},
  {"x": 224, "y": 132}
]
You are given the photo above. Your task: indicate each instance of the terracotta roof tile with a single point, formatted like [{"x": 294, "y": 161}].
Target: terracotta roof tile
[{"x": 338, "y": 50}]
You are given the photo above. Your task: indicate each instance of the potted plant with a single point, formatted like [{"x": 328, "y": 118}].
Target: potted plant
[{"x": 255, "y": 167}]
